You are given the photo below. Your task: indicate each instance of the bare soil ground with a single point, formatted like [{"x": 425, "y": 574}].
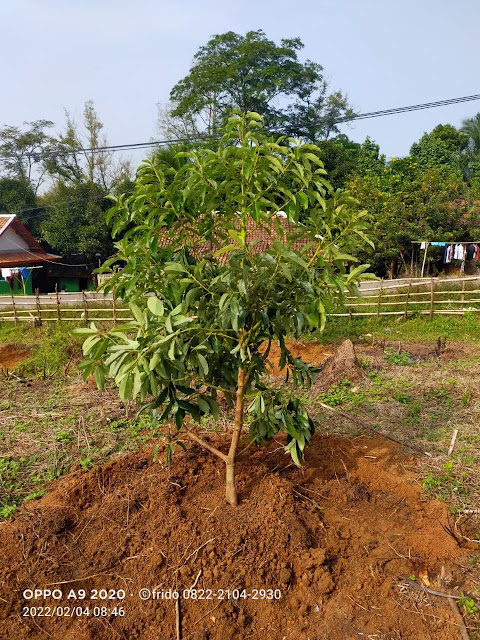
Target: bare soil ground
[
  {"x": 11, "y": 355},
  {"x": 338, "y": 537}
]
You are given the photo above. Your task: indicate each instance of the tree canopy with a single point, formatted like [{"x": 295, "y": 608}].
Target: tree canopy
[
  {"x": 253, "y": 73},
  {"x": 208, "y": 301}
]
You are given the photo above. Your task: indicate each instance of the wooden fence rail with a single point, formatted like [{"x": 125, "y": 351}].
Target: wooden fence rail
[{"x": 436, "y": 299}]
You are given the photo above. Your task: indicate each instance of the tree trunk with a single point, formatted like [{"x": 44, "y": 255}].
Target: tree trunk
[{"x": 230, "y": 489}]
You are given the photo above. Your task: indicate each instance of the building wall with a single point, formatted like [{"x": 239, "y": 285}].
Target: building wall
[
  {"x": 74, "y": 284},
  {"x": 5, "y": 287}
]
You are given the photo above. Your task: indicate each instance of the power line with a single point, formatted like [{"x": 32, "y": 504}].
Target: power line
[
  {"x": 156, "y": 143},
  {"x": 414, "y": 107}
]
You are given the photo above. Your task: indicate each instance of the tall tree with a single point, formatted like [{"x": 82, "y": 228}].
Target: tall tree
[
  {"x": 71, "y": 162},
  {"x": 253, "y": 73},
  {"x": 21, "y": 151},
  {"x": 76, "y": 203}
]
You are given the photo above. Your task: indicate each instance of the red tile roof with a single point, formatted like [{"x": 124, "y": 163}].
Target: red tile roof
[{"x": 260, "y": 236}]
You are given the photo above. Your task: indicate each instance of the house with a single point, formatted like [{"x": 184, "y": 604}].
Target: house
[
  {"x": 74, "y": 273},
  {"x": 23, "y": 261},
  {"x": 259, "y": 236}
]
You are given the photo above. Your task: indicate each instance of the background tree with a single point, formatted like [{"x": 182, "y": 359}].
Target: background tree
[
  {"x": 412, "y": 199},
  {"x": 17, "y": 196},
  {"x": 340, "y": 157},
  {"x": 75, "y": 221},
  {"x": 76, "y": 203},
  {"x": 204, "y": 328},
  {"x": 22, "y": 149},
  {"x": 252, "y": 73},
  {"x": 471, "y": 129}
]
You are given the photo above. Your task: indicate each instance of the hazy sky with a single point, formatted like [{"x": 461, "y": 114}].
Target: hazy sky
[{"x": 127, "y": 55}]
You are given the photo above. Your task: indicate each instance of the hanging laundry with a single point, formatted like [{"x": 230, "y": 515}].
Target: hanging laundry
[
  {"x": 9, "y": 279},
  {"x": 470, "y": 251},
  {"x": 25, "y": 273},
  {"x": 459, "y": 252},
  {"x": 438, "y": 244},
  {"x": 477, "y": 252},
  {"x": 447, "y": 258},
  {"x": 423, "y": 245}
]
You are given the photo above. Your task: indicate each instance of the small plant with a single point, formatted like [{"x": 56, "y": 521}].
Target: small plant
[
  {"x": 403, "y": 398},
  {"x": 7, "y": 510},
  {"x": 468, "y": 604},
  {"x": 400, "y": 358},
  {"x": 64, "y": 437},
  {"x": 85, "y": 463},
  {"x": 338, "y": 393}
]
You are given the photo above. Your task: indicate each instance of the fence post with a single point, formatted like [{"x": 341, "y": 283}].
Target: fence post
[
  {"x": 58, "y": 303},
  {"x": 463, "y": 298},
  {"x": 39, "y": 309},
  {"x": 379, "y": 299},
  {"x": 114, "y": 308},
  {"x": 405, "y": 313},
  {"x": 85, "y": 306},
  {"x": 431, "y": 297},
  {"x": 14, "y": 310}
]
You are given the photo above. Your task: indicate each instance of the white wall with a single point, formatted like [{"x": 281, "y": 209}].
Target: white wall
[{"x": 11, "y": 241}]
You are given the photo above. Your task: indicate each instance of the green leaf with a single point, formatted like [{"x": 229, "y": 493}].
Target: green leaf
[
  {"x": 155, "y": 305},
  {"x": 100, "y": 377},
  {"x": 203, "y": 363},
  {"x": 236, "y": 237},
  {"x": 172, "y": 267},
  {"x": 138, "y": 313}
]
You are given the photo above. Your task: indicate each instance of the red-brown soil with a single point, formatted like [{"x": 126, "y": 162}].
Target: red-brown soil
[
  {"x": 310, "y": 352},
  {"x": 335, "y": 536},
  {"x": 11, "y": 355}
]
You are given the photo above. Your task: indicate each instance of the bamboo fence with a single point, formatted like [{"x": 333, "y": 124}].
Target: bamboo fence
[{"x": 429, "y": 297}]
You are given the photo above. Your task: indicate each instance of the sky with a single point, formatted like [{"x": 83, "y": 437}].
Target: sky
[{"x": 126, "y": 56}]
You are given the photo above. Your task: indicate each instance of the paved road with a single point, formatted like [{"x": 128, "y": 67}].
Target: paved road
[{"x": 403, "y": 282}]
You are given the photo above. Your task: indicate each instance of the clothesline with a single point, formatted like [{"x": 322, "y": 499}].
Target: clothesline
[
  {"x": 442, "y": 244},
  {"x": 462, "y": 251}
]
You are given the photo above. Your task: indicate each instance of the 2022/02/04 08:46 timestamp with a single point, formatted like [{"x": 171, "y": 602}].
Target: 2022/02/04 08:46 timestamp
[{"x": 73, "y": 603}]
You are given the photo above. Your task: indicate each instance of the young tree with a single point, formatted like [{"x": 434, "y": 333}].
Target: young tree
[{"x": 208, "y": 301}]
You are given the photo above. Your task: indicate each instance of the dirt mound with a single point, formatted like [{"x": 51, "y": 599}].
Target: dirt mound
[
  {"x": 335, "y": 537},
  {"x": 11, "y": 355},
  {"x": 310, "y": 352},
  {"x": 343, "y": 364}
]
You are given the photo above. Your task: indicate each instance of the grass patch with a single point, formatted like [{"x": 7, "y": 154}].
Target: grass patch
[{"x": 453, "y": 328}]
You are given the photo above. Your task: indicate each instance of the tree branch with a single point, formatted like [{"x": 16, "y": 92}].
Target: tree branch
[{"x": 203, "y": 443}]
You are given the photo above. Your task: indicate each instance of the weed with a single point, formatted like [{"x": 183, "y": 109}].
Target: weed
[
  {"x": 443, "y": 485},
  {"x": 338, "y": 393},
  {"x": 403, "y": 398},
  {"x": 468, "y": 604},
  {"x": 64, "y": 437},
  {"x": 400, "y": 358},
  {"x": 85, "y": 463}
]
